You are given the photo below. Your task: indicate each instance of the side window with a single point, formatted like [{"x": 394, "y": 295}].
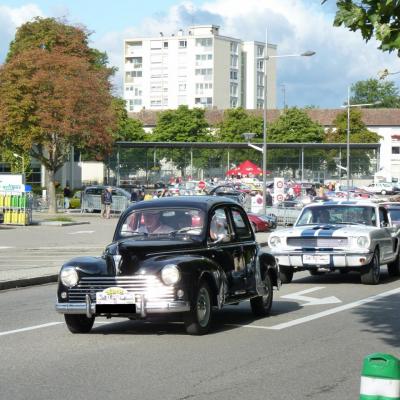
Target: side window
[
  {"x": 383, "y": 217},
  {"x": 218, "y": 225},
  {"x": 241, "y": 227}
]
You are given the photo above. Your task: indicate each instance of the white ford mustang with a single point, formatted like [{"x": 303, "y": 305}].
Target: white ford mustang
[{"x": 344, "y": 235}]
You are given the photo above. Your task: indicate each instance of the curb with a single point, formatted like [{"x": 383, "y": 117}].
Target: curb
[
  {"x": 58, "y": 223},
  {"x": 28, "y": 282}
]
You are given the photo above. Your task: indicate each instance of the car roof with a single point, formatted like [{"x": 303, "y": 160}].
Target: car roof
[
  {"x": 343, "y": 202},
  {"x": 203, "y": 202}
]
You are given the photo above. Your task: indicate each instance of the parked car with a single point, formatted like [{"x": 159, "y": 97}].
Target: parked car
[
  {"x": 201, "y": 253},
  {"x": 75, "y": 200},
  {"x": 344, "y": 236},
  {"x": 380, "y": 188},
  {"x": 262, "y": 222}
]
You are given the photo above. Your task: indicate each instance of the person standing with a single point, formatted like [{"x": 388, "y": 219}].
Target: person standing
[
  {"x": 106, "y": 199},
  {"x": 67, "y": 195},
  {"x": 268, "y": 198}
]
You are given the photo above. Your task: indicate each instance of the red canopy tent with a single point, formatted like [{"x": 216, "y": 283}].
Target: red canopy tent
[{"x": 245, "y": 168}]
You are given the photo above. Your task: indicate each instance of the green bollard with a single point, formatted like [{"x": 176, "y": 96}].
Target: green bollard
[{"x": 380, "y": 377}]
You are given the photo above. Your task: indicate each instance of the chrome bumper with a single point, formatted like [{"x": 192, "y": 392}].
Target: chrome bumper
[
  {"x": 337, "y": 259},
  {"x": 144, "y": 307}
]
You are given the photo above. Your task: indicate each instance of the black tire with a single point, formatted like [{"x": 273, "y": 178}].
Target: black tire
[
  {"x": 286, "y": 274},
  {"x": 198, "y": 319},
  {"x": 371, "y": 273},
  {"x": 261, "y": 305},
  {"x": 394, "y": 267},
  {"x": 315, "y": 272},
  {"x": 78, "y": 323}
]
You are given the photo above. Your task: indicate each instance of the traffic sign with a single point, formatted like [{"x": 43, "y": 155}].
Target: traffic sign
[
  {"x": 279, "y": 184},
  {"x": 202, "y": 185},
  {"x": 279, "y": 197}
]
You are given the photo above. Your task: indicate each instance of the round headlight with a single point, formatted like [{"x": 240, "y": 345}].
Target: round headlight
[
  {"x": 274, "y": 241},
  {"x": 170, "y": 274},
  {"x": 69, "y": 276},
  {"x": 362, "y": 241}
]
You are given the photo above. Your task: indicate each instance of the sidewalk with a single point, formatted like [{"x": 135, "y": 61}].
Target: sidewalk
[{"x": 44, "y": 265}]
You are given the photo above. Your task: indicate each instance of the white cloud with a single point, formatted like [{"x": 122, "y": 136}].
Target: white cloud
[
  {"x": 11, "y": 19},
  {"x": 295, "y": 26}
]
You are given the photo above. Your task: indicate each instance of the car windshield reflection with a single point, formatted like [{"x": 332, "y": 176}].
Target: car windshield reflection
[{"x": 163, "y": 222}]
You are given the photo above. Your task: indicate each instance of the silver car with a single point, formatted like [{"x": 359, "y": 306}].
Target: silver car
[{"x": 344, "y": 236}]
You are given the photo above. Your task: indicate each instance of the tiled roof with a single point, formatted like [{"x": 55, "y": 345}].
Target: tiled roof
[{"x": 371, "y": 116}]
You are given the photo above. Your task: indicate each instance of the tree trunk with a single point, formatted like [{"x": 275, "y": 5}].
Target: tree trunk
[{"x": 51, "y": 192}]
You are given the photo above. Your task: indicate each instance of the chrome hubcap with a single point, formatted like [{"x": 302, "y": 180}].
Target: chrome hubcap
[{"x": 203, "y": 307}]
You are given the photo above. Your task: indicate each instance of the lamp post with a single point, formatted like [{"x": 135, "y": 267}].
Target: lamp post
[
  {"x": 348, "y": 106},
  {"x": 264, "y": 148},
  {"x": 23, "y": 164}
]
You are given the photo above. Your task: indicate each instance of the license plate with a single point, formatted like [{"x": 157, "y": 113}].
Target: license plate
[
  {"x": 316, "y": 259},
  {"x": 115, "y": 295}
]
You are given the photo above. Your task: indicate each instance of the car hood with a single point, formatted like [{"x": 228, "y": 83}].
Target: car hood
[{"x": 326, "y": 230}]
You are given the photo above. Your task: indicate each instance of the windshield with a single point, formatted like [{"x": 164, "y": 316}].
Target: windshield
[
  {"x": 394, "y": 214},
  {"x": 338, "y": 214},
  {"x": 166, "y": 222}
]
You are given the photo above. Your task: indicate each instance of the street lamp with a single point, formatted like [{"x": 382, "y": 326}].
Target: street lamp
[
  {"x": 23, "y": 163},
  {"x": 264, "y": 148},
  {"x": 385, "y": 73},
  {"x": 348, "y": 106}
]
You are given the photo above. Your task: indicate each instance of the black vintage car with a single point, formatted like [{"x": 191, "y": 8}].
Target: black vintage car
[{"x": 181, "y": 255}]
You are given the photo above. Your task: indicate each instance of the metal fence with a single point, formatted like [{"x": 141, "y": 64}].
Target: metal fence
[
  {"x": 92, "y": 202},
  {"x": 285, "y": 216}
]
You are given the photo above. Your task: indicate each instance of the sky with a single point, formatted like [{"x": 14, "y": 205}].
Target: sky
[{"x": 342, "y": 57}]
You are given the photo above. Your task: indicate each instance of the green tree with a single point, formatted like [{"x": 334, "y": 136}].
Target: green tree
[
  {"x": 181, "y": 125},
  {"x": 359, "y": 133},
  {"x": 293, "y": 126},
  {"x": 128, "y": 129},
  {"x": 237, "y": 121},
  {"x": 373, "y": 90},
  {"x": 54, "y": 94},
  {"x": 377, "y": 18}
]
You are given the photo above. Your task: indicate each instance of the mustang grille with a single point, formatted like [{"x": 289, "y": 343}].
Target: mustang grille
[
  {"x": 151, "y": 286},
  {"x": 317, "y": 241}
]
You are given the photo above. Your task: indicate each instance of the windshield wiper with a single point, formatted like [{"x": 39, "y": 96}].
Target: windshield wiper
[
  {"x": 183, "y": 230},
  {"x": 129, "y": 233}
]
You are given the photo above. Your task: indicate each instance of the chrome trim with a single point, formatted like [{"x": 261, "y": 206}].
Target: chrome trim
[
  {"x": 88, "y": 306},
  {"x": 150, "y": 308}
]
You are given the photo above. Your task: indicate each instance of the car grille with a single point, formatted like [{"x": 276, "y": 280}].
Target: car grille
[
  {"x": 317, "y": 241},
  {"x": 151, "y": 286}
]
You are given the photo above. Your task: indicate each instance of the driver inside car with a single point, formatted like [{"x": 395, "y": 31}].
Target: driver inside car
[{"x": 153, "y": 223}]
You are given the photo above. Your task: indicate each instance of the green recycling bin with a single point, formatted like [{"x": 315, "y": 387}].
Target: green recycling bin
[{"x": 380, "y": 377}]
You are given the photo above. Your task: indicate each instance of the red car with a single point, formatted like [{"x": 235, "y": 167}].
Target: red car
[{"x": 258, "y": 224}]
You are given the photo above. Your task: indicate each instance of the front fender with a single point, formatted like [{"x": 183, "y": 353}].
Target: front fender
[
  {"x": 268, "y": 264},
  {"x": 88, "y": 265}
]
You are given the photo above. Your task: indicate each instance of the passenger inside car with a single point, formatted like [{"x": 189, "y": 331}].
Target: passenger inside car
[{"x": 321, "y": 216}]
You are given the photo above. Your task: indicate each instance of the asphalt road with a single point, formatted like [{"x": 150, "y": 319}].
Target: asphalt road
[{"x": 311, "y": 347}]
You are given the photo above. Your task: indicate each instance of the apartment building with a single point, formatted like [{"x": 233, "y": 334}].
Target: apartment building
[{"x": 197, "y": 68}]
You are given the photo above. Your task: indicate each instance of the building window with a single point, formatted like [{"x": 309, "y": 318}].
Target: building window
[
  {"x": 234, "y": 89},
  {"x": 395, "y": 150},
  {"x": 155, "y": 44},
  {"x": 182, "y": 44},
  {"x": 233, "y": 75},
  {"x": 234, "y": 61},
  {"x": 182, "y": 87},
  {"x": 260, "y": 91},
  {"x": 260, "y": 51},
  {"x": 204, "y": 42},
  {"x": 260, "y": 65},
  {"x": 203, "y": 71},
  {"x": 234, "y": 47},
  {"x": 204, "y": 101},
  {"x": 234, "y": 102},
  {"x": 165, "y": 45},
  {"x": 260, "y": 104},
  {"x": 260, "y": 79},
  {"x": 137, "y": 102}
]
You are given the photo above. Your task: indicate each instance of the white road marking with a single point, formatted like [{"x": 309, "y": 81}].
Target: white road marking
[
  {"x": 6, "y": 247},
  {"x": 311, "y": 301},
  {"x": 30, "y": 328},
  {"x": 79, "y": 232},
  {"x": 324, "y": 313}
]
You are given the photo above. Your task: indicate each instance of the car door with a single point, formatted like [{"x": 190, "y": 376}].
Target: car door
[
  {"x": 227, "y": 253},
  {"x": 245, "y": 240},
  {"x": 388, "y": 241}
]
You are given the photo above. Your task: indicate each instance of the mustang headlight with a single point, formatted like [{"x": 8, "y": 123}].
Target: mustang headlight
[
  {"x": 170, "y": 274},
  {"x": 69, "y": 276},
  {"x": 275, "y": 241},
  {"x": 362, "y": 241}
]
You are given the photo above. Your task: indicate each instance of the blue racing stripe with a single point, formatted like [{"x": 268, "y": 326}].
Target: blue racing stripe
[
  {"x": 328, "y": 232},
  {"x": 308, "y": 232}
]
